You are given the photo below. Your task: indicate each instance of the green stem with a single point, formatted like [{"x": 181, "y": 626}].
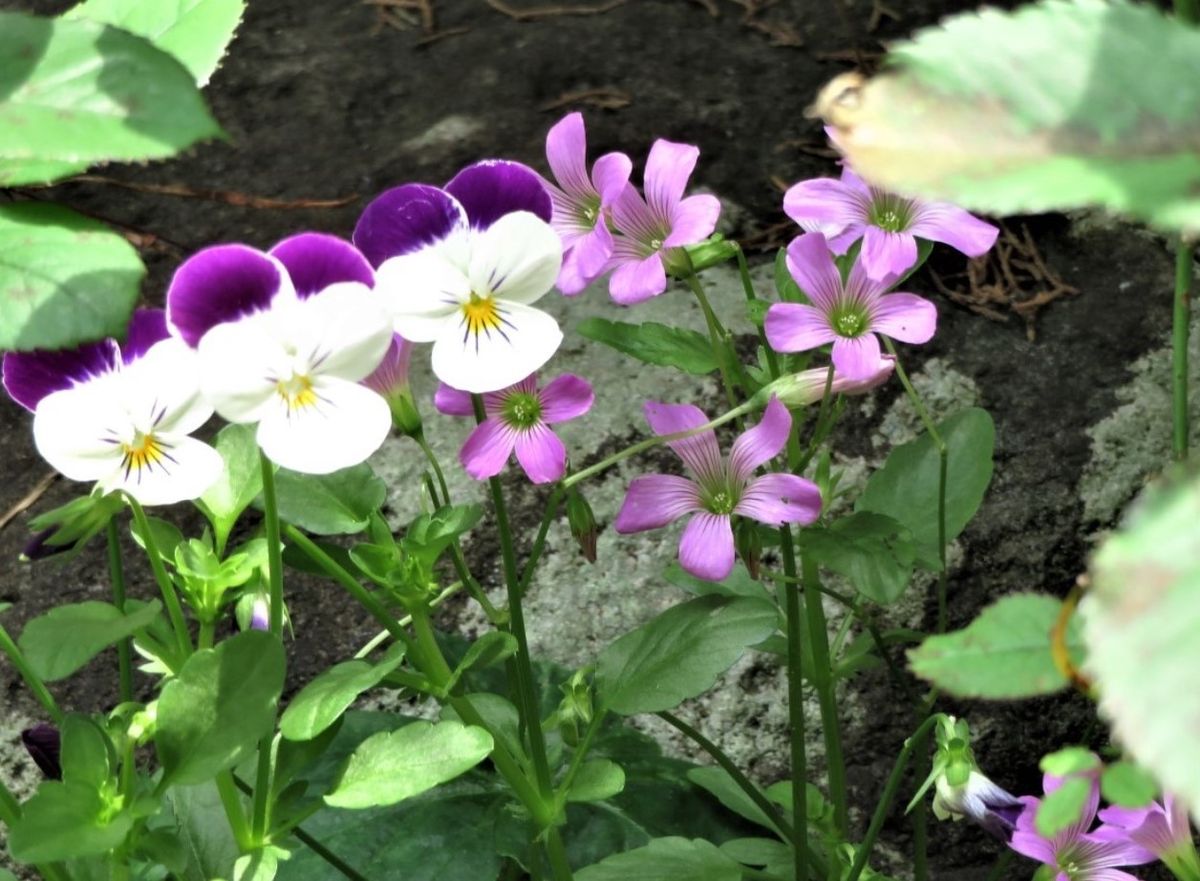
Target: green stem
[
  {"x": 822, "y": 680},
  {"x": 435, "y": 465},
  {"x": 32, "y": 680},
  {"x": 116, "y": 576},
  {"x": 889, "y": 795},
  {"x": 539, "y": 541},
  {"x": 260, "y": 820},
  {"x": 716, "y": 339},
  {"x": 557, "y": 852},
  {"x": 204, "y": 639},
  {"x": 1180, "y": 327},
  {"x": 382, "y": 636},
  {"x": 232, "y": 803},
  {"x": 165, "y": 586},
  {"x": 274, "y": 547},
  {"x": 1001, "y": 864},
  {"x": 580, "y": 754},
  {"x": 795, "y": 674}
]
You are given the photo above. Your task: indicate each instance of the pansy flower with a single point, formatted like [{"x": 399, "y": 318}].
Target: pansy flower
[
  {"x": 460, "y": 267},
  {"x": 848, "y": 314},
  {"x": 518, "y": 420},
  {"x": 718, "y": 488},
  {"x": 284, "y": 339},
  {"x": 889, "y": 225},
  {"x": 120, "y": 415},
  {"x": 582, "y": 202},
  {"x": 650, "y": 228}
]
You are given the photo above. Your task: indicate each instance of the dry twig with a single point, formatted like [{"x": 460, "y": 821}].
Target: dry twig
[
  {"x": 533, "y": 13},
  {"x": 604, "y": 98},
  {"x": 27, "y": 501},
  {"x": 779, "y": 33},
  {"x": 229, "y": 197},
  {"x": 878, "y": 13}
]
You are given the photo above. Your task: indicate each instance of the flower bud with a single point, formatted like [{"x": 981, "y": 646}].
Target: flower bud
[
  {"x": 253, "y": 611},
  {"x": 39, "y": 547},
  {"x": 808, "y": 386},
  {"x": 390, "y": 380},
  {"x": 583, "y": 524},
  {"x": 749, "y": 545},
  {"x": 711, "y": 252},
  {"x": 44, "y": 745}
]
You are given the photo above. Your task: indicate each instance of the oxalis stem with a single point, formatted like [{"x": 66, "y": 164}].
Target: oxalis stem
[
  {"x": 795, "y": 684},
  {"x": 715, "y": 338}
]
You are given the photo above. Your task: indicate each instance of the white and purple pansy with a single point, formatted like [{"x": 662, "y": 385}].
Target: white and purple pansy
[
  {"x": 120, "y": 415},
  {"x": 461, "y": 266},
  {"x": 284, "y": 338}
]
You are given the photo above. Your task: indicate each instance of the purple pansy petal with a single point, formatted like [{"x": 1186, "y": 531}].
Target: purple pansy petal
[
  {"x": 856, "y": 358},
  {"x": 693, "y": 220},
  {"x": 610, "y": 176},
  {"x": 541, "y": 454},
  {"x": 315, "y": 261},
  {"x": 219, "y": 284},
  {"x": 706, "y": 546},
  {"x": 146, "y": 327},
  {"x": 668, "y": 168},
  {"x": 566, "y": 397},
  {"x": 776, "y": 499},
  {"x": 794, "y": 327},
  {"x": 811, "y": 265},
  {"x": 406, "y": 219},
  {"x": 951, "y": 225},
  {"x": 904, "y": 317},
  {"x": 592, "y": 251},
  {"x": 492, "y": 188},
  {"x": 887, "y": 254},
  {"x": 825, "y": 205},
  {"x": 452, "y": 401},
  {"x": 487, "y": 449},
  {"x": 566, "y": 151},
  {"x": 760, "y": 444},
  {"x": 654, "y": 500},
  {"x": 638, "y": 280},
  {"x": 31, "y": 376},
  {"x": 699, "y": 452}
]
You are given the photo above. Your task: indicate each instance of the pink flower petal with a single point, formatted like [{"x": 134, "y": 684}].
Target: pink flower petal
[
  {"x": 592, "y": 251},
  {"x": 654, "y": 500},
  {"x": 856, "y": 358},
  {"x": 887, "y": 254},
  {"x": 668, "y": 168},
  {"x": 776, "y": 499},
  {"x": 632, "y": 216},
  {"x": 1032, "y": 845},
  {"x": 700, "y": 453},
  {"x": 904, "y": 317},
  {"x": 487, "y": 450},
  {"x": 706, "y": 546},
  {"x": 760, "y": 444},
  {"x": 951, "y": 225},
  {"x": 566, "y": 397},
  {"x": 566, "y": 151},
  {"x": 825, "y": 205},
  {"x": 811, "y": 264},
  {"x": 610, "y": 176},
  {"x": 638, "y": 280},
  {"x": 571, "y": 279},
  {"x": 541, "y": 454},
  {"x": 452, "y": 401},
  {"x": 793, "y": 327},
  {"x": 693, "y": 220}
]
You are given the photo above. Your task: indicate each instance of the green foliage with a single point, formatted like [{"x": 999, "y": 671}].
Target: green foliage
[
  {"x": 239, "y": 484},
  {"x": 320, "y": 703},
  {"x": 1127, "y": 785},
  {"x": 213, "y": 713},
  {"x": 63, "y": 277},
  {"x": 738, "y": 584},
  {"x": 67, "y": 821},
  {"x": 164, "y": 535},
  {"x": 785, "y": 285},
  {"x": 1003, "y": 654},
  {"x": 61, "y": 641},
  {"x": 1070, "y": 760},
  {"x": 680, "y": 654},
  {"x": 597, "y": 780},
  {"x": 340, "y": 503},
  {"x": 717, "y": 782},
  {"x": 874, "y": 552},
  {"x": 84, "y": 755},
  {"x": 1062, "y": 807},
  {"x": 653, "y": 343},
  {"x": 677, "y": 859},
  {"x": 260, "y": 864},
  {"x": 203, "y": 830}
]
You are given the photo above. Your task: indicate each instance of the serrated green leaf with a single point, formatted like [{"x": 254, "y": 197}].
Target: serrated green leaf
[
  {"x": 1003, "y": 654},
  {"x": 1057, "y": 105},
  {"x": 64, "y": 279},
  {"x": 240, "y": 481},
  {"x": 61, "y": 641},
  {"x": 1126, "y": 785},
  {"x": 676, "y": 859},
  {"x": 597, "y": 780},
  {"x": 16, "y": 172},
  {"x": 1062, "y": 807},
  {"x": 80, "y": 91},
  {"x": 653, "y": 343},
  {"x": 320, "y": 703},
  {"x": 340, "y": 503},
  {"x": 66, "y": 821}
]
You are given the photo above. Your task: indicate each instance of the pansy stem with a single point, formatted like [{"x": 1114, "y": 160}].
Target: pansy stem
[
  {"x": 795, "y": 684},
  {"x": 274, "y": 546},
  {"x": 32, "y": 681},
  {"x": 234, "y": 814},
  {"x": 116, "y": 576},
  {"x": 1181, "y": 325},
  {"x": 165, "y": 586}
]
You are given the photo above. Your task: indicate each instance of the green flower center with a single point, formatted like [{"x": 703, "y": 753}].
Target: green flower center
[
  {"x": 890, "y": 213},
  {"x": 522, "y": 410},
  {"x": 589, "y": 211},
  {"x": 721, "y": 502},
  {"x": 848, "y": 321}
]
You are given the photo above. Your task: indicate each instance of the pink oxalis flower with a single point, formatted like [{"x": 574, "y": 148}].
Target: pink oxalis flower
[
  {"x": 1161, "y": 827},
  {"x": 719, "y": 487},
  {"x": 519, "y": 419},
  {"x": 846, "y": 314},
  {"x": 582, "y": 202},
  {"x": 889, "y": 225}
]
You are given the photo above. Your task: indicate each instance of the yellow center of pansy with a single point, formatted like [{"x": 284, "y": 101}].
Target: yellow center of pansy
[{"x": 297, "y": 392}]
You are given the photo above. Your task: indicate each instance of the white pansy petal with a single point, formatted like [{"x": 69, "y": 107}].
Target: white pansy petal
[
  {"x": 164, "y": 387},
  {"x": 421, "y": 290},
  {"x": 517, "y": 258},
  {"x": 494, "y": 359},
  {"x": 349, "y": 327},
  {"x": 348, "y": 423},
  {"x": 240, "y": 362},
  {"x": 185, "y": 469},
  {"x": 78, "y": 430}
]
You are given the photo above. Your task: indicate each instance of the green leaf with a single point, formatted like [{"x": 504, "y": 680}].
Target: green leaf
[
  {"x": 491, "y": 648},
  {"x": 738, "y": 584},
  {"x": 15, "y": 172},
  {"x": 196, "y": 32},
  {"x": 653, "y": 343},
  {"x": 340, "y": 503},
  {"x": 240, "y": 482},
  {"x": 1064, "y": 806},
  {"x": 66, "y": 821},
  {"x": 166, "y": 537},
  {"x": 680, "y": 654},
  {"x": 61, "y": 641},
  {"x": 785, "y": 285},
  {"x": 1126, "y": 785},
  {"x": 320, "y": 703},
  {"x": 597, "y": 780},
  {"x": 259, "y": 865},
  {"x": 666, "y": 859},
  {"x": 203, "y": 830},
  {"x": 906, "y": 487},
  {"x": 1003, "y": 654},
  {"x": 757, "y": 851},
  {"x": 717, "y": 782},
  {"x": 64, "y": 279},
  {"x": 1057, "y": 105},
  {"x": 213, "y": 713},
  {"x": 873, "y": 551},
  {"x": 1070, "y": 760},
  {"x": 392, "y": 766},
  {"x": 85, "y": 752},
  {"x": 81, "y": 91}
]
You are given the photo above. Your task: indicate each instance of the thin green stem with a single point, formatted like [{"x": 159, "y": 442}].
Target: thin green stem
[
  {"x": 165, "y": 586},
  {"x": 889, "y": 795},
  {"x": 921, "y": 818},
  {"x": 274, "y": 546},
  {"x": 580, "y": 754},
  {"x": 1001, "y": 864},
  {"x": 795, "y": 675},
  {"x": 382, "y": 636},
  {"x": 434, "y": 464},
  {"x": 236, "y": 817},
  {"x": 204, "y": 640},
  {"x": 260, "y": 818},
  {"x": 32, "y": 681},
  {"x": 116, "y": 576},
  {"x": 557, "y": 852},
  {"x": 716, "y": 339},
  {"x": 539, "y": 541},
  {"x": 1180, "y": 327}
]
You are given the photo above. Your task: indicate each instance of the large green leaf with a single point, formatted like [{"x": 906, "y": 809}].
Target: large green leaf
[
  {"x": 240, "y": 481},
  {"x": 330, "y": 504},
  {"x": 64, "y": 279},
  {"x": 322, "y": 701},
  {"x": 66, "y": 821},
  {"x": 61, "y": 641},
  {"x": 653, "y": 343},
  {"x": 80, "y": 91},
  {"x": 680, "y": 654},
  {"x": 1057, "y": 105},
  {"x": 666, "y": 859},
  {"x": 717, "y": 782},
  {"x": 872, "y": 551},
  {"x": 203, "y": 831},
  {"x": 1005, "y": 653},
  {"x": 196, "y": 32},
  {"x": 221, "y": 703}
]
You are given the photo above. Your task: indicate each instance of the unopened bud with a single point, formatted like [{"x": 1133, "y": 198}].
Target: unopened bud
[
  {"x": 39, "y": 547},
  {"x": 44, "y": 745},
  {"x": 749, "y": 545},
  {"x": 808, "y": 386},
  {"x": 583, "y": 524},
  {"x": 253, "y": 611},
  {"x": 390, "y": 379},
  {"x": 711, "y": 252}
]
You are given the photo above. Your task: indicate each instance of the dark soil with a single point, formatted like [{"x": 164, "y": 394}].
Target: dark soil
[{"x": 321, "y": 101}]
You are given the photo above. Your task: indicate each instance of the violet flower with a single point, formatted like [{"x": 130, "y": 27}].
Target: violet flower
[
  {"x": 582, "y": 202},
  {"x": 650, "y": 228},
  {"x": 1161, "y": 828},
  {"x": 847, "y": 314},
  {"x": 980, "y": 800},
  {"x": 719, "y": 488},
  {"x": 849, "y": 209},
  {"x": 519, "y": 418},
  {"x": 43, "y": 742}
]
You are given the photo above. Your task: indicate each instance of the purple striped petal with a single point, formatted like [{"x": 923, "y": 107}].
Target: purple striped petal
[
  {"x": 610, "y": 176},
  {"x": 810, "y": 263},
  {"x": 693, "y": 220},
  {"x": 219, "y": 284},
  {"x": 776, "y": 499},
  {"x": 146, "y": 327},
  {"x": 700, "y": 452},
  {"x": 654, "y": 500},
  {"x": 487, "y": 449},
  {"x": 494, "y": 187},
  {"x": 951, "y": 225},
  {"x": 315, "y": 261},
  {"x": 857, "y": 357},
  {"x": 668, "y": 168},
  {"x": 452, "y": 401},
  {"x": 541, "y": 454},
  {"x": 566, "y": 151},
  {"x": 887, "y": 254},
  {"x": 825, "y": 205},
  {"x": 637, "y": 280},
  {"x": 406, "y": 219},
  {"x": 760, "y": 444},
  {"x": 794, "y": 327},
  {"x": 31, "y": 376},
  {"x": 904, "y": 317},
  {"x": 566, "y": 397},
  {"x": 706, "y": 546}
]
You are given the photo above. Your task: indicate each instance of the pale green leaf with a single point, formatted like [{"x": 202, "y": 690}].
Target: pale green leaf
[
  {"x": 1127, "y": 785},
  {"x": 330, "y": 504},
  {"x": 597, "y": 780},
  {"x": 1062, "y": 807},
  {"x": 61, "y": 641},
  {"x": 665, "y": 859},
  {"x": 66, "y": 821},
  {"x": 320, "y": 703},
  {"x": 240, "y": 481},
  {"x": 653, "y": 343}
]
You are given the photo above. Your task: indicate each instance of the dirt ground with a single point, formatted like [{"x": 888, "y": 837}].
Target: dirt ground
[{"x": 338, "y": 99}]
